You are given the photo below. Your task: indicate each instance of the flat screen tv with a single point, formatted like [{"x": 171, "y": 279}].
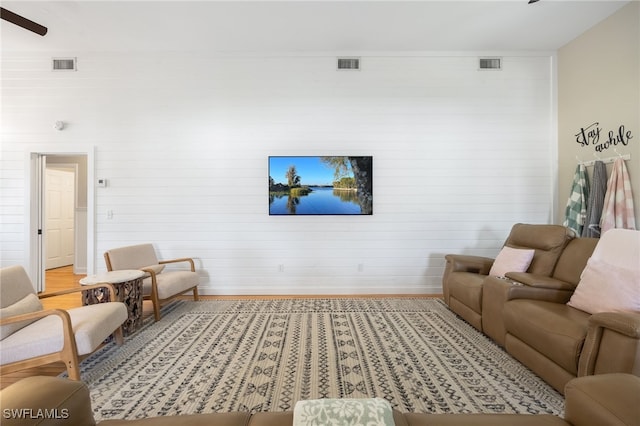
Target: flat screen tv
[{"x": 331, "y": 185}]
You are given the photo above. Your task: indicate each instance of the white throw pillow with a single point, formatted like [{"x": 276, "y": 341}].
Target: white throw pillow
[
  {"x": 511, "y": 260},
  {"x": 29, "y": 303},
  {"x": 607, "y": 288}
]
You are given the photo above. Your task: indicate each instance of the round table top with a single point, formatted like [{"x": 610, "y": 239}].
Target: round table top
[{"x": 113, "y": 277}]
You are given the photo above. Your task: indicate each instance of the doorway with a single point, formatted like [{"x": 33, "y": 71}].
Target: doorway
[
  {"x": 59, "y": 208},
  {"x": 61, "y": 223}
]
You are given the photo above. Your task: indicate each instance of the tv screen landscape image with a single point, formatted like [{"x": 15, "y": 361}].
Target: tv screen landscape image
[{"x": 316, "y": 185}]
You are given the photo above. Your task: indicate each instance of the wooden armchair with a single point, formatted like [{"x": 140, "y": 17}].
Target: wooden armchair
[
  {"x": 31, "y": 336},
  {"x": 159, "y": 286}
]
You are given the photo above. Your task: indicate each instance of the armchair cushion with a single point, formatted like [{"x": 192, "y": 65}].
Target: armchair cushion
[
  {"x": 133, "y": 257},
  {"x": 30, "y": 303},
  {"x": 607, "y": 288},
  {"x": 511, "y": 260},
  {"x": 20, "y": 285},
  {"x": 170, "y": 284},
  {"x": 91, "y": 324}
]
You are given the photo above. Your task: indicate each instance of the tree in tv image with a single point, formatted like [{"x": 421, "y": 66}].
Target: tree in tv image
[{"x": 332, "y": 185}]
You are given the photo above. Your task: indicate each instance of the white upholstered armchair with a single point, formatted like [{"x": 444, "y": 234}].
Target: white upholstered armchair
[
  {"x": 31, "y": 335},
  {"x": 159, "y": 285}
]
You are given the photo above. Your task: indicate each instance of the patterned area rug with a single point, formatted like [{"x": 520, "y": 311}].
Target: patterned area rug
[{"x": 264, "y": 355}]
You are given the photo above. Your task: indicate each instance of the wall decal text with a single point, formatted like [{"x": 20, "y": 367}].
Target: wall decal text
[{"x": 590, "y": 135}]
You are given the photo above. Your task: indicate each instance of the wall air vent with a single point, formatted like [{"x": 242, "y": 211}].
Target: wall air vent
[
  {"x": 490, "y": 63},
  {"x": 64, "y": 64},
  {"x": 352, "y": 64}
]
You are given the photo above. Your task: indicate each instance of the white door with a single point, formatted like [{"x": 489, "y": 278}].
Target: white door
[{"x": 59, "y": 217}]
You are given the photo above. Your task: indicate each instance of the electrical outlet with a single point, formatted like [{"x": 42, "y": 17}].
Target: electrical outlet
[
  {"x": 281, "y": 267},
  {"x": 360, "y": 267}
]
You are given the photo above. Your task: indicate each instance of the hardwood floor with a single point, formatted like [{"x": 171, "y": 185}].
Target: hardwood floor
[{"x": 64, "y": 278}]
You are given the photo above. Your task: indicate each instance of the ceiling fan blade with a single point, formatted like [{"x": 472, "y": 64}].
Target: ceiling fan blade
[{"x": 23, "y": 22}]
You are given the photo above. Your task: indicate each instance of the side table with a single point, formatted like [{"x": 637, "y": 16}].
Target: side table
[{"x": 128, "y": 286}]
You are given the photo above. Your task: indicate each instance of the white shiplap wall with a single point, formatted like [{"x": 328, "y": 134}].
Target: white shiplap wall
[{"x": 183, "y": 139}]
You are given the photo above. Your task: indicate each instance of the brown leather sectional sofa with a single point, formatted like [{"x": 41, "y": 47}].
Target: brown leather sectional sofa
[
  {"x": 527, "y": 314},
  {"x": 602, "y": 400},
  {"x": 464, "y": 275}
]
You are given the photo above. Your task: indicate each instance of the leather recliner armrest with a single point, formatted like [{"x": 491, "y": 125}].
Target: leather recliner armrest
[
  {"x": 605, "y": 399},
  {"x": 538, "y": 287},
  {"x": 612, "y": 344},
  {"x": 627, "y": 323},
  {"x": 540, "y": 281},
  {"x": 467, "y": 263}
]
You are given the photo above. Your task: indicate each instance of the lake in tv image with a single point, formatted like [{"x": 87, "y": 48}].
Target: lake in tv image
[{"x": 320, "y": 185}]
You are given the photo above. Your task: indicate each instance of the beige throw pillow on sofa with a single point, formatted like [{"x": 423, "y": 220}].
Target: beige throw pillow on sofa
[
  {"x": 607, "y": 288},
  {"x": 511, "y": 260}
]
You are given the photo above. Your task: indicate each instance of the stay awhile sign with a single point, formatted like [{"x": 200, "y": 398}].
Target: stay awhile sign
[{"x": 590, "y": 135}]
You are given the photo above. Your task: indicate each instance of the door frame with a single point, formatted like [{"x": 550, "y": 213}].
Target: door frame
[{"x": 34, "y": 250}]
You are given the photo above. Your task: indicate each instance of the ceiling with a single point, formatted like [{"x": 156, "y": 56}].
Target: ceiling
[{"x": 355, "y": 26}]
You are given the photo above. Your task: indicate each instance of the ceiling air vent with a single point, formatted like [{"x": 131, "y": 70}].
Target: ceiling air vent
[
  {"x": 352, "y": 64},
  {"x": 64, "y": 64},
  {"x": 490, "y": 63}
]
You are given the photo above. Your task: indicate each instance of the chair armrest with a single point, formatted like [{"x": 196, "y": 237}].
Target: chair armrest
[
  {"x": 540, "y": 281},
  {"x": 151, "y": 273},
  {"x": 69, "y": 343},
  {"x": 538, "y": 287},
  {"x": 626, "y": 323},
  {"x": 463, "y": 263},
  {"x": 154, "y": 282},
  {"x": 36, "y": 315},
  {"x": 612, "y": 344},
  {"x": 521, "y": 291},
  {"x": 79, "y": 289},
  {"x": 182, "y": 259},
  {"x": 467, "y": 263}
]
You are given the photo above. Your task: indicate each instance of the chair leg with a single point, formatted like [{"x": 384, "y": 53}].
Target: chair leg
[
  {"x": 196, "y": 297},
  {"x": 155, "y": 300},
  {"x": 118, "y": 336},
  {"x": 156, "y": 310},
  {"x": 73, "y": 367}
]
